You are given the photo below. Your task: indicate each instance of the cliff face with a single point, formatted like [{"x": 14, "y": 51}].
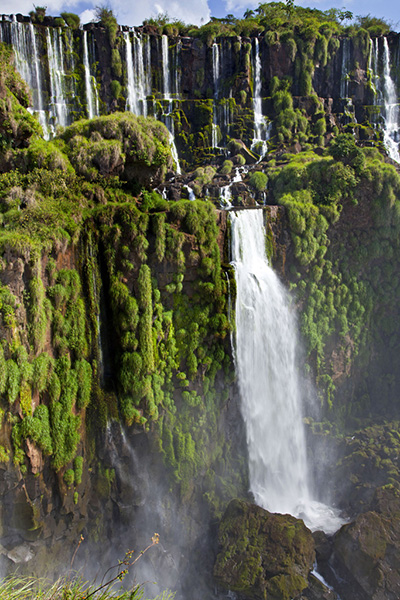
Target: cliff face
[
  {"x": 119, "y": 408},
  {"x": 207, "y": 90},
  {"x": 113, "y": 309}
]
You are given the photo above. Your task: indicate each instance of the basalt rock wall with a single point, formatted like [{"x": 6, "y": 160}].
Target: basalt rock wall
[{"x": 202, "y": 88}]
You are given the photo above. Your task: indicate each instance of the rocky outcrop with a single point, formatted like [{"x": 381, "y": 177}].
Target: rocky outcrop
[
  {"x": 365, "y": 556},
  {"x": 263, "y": 555}
]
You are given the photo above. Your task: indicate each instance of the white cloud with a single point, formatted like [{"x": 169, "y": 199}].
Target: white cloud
[
  {"x": 87, "y": 16},
  {"x": 127, "y": 13},
  {"x": 54, "y": 7},
  {"x": 236, "y": 5},
  {"x": 193, "y": 12}
]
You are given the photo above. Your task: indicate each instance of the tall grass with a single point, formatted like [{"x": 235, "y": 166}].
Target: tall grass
[
  {"x": 70, "y": 587},
  {"x": 16, "y": 587}
]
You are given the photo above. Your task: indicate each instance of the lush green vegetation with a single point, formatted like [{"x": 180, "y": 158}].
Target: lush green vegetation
[
  {"x": 83, "y": 237},
  {"x": 79, "y": 222},
  {"x": 276, "y": 20},
  {"x": 17, "y": 124},
  {"x": 20, "y": 588},
  {"x": 343, "y": 274}
]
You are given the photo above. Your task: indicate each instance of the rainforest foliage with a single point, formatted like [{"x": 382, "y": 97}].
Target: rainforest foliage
[
  {"x": 84, "y": 242},
  {"x": 344, "y": 215},
  {"x": 274, "y": 18}
]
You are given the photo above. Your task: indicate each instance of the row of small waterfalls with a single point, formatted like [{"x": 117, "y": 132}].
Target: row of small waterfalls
[{"x": 49, "y": 64}]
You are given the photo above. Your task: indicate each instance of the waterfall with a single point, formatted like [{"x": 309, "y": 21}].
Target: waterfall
[
  {"x": 348, "y": 107},
  {"x": 225, "y": 195},
  {"x": 131, "y": 100},
  {"x": 261, "y": 133},
  {"x": 38, "y": 81},
  {"x": 23, "y": 40},
  {"x": 165, "y": 67},
  {"x": 55, "y": 54},
  {"x": 373, "y": 61},
  {"x": 53, "y": 96},
  {"x": 174, "y": 151},
  {"x": 190, "y": 192},
  {"x": 390, "y": 108},
  {"x": 177, "y": 68},
  {"x": 139, "y": 82},
  {"x": 167, "y": 117},
  {"x": 216, "y": 80},
  {"x": 216, "y": 69},
  {"x": 344, "y": 76},
  {"x": 385, "y": 95},
  {"x": 269, "y": 384},
  {"x": 90, "y": 84}
]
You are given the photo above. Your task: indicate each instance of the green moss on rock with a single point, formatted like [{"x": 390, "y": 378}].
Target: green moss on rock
[{"x": 263, "y": 555}]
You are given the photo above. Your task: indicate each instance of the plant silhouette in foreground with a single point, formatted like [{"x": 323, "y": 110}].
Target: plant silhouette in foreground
[{"x": 15, "y": 587}]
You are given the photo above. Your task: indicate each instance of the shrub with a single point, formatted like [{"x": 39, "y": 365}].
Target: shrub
[
  {"x": 38, "y": 14},
  {"x": 344, "y": 148},
  {"x": 4, "y": 454},
  {"x": 116, "y": 63},
  {"x": 258, "y": 181},
  {"x": 84, "y": 381},
  {"x": 116, "y": 89},
  {"x": 13, "y": 381},
  {"x": 282, "y": 100},
  {"x": 106, "y": 17},
  {"x": 72, "y": 20},
  {"x": 69, "y": 477},
  {"x": 78, "y": 469},
  {"x": 226, "y": 167},
  {"x": 374, "y": 25},
  {"x": 319, "y": 127}
]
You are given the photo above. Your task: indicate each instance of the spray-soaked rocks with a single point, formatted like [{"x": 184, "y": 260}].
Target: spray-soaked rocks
[
  {"x": 263, "y": 555},
  {"x": 366, "y": 552}
]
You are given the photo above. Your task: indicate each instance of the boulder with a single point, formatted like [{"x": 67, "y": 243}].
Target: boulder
[
  {"x": 366, "y": 552},
  {"x": 263, "y": 555}
]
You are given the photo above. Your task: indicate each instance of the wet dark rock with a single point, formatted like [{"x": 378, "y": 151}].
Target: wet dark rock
[
  {"x": 366, "y": 552},
  {"x": 263, "y": 555}
]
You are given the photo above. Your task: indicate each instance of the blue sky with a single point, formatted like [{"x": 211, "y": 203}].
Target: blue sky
[{"x": 131, "y": 12}]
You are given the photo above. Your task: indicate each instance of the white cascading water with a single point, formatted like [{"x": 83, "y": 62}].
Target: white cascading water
[
  {"x": 138, "y": 73},
  {"x": 167, "y": 116},
  {"x": 177, "y": 71},
  {"x": 92, "y": 100},
  {"x": 165, "y": 67},
  {"x": 344, "y": 76},
  {"x": 390, "y": 108},
  {"x": 131, "y": 100},
  {"x": 216, "y": 80},
  {"x": 190, "y": 192},
  {"x": 225, "y": 195},
  {"x": 58, "y": 99},
  {"x": 373, "y": 59},
  {"x": 270, "y": 388},
  {"x": 261, "y": 132},
  {"x": 344, "y": 79},
  {"x": 23, "y": 40}
]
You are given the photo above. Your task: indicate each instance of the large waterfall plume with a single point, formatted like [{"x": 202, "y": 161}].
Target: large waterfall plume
[{"x": 266, "y": 352}]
